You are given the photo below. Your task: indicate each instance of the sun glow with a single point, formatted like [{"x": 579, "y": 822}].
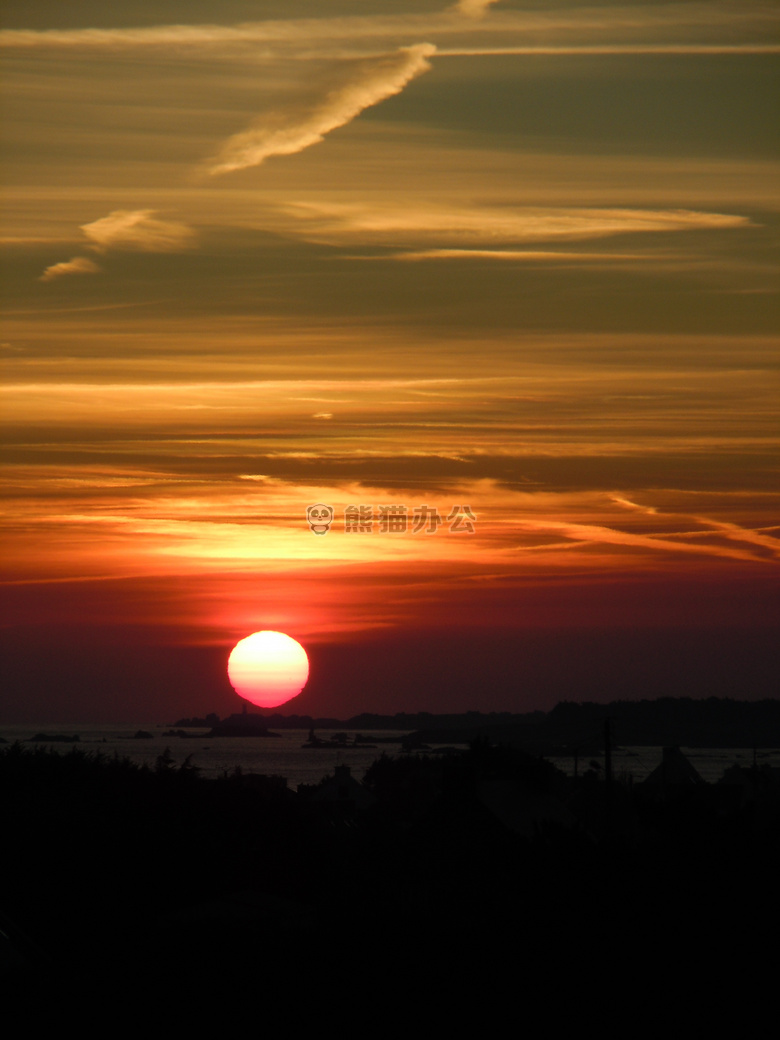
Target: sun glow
[{"x": 268, "y": 668}]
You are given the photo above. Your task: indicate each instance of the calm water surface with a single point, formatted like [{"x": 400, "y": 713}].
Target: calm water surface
[{"x": 284, "y": 755}]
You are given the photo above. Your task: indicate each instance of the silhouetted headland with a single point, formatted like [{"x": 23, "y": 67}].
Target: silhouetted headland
[
  {"x": 54, "y": 738},
  {"x": 240, "y": 724},
  {"x": 714, "y": 722}
]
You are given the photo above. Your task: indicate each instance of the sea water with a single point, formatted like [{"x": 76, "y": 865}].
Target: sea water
[
  {"x": 284, "y": 755},
  {"x": 281, "y": 755}
]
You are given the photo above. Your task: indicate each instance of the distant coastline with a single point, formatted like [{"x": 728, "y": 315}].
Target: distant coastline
[{"x": 715, "y": 722}]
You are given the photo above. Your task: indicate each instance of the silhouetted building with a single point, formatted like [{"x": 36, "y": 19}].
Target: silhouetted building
[
  {"x": 341, "y": 793},
  {"x": 675, "y": 773}
]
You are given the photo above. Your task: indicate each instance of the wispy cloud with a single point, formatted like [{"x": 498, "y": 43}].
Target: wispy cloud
[
  {"x": 489, "y": 226},
  {"x": 138, "y": 229},
  {"x": 669, "y": 542},
  {"x": 292, "y": 130},
  {"x": 730, "y": 531},
  {"x": 125, "y": 229},
  {"x": 77, "y": 265},
  {"x": 521, "y": 255},
  {"x": 737, "y": 533},
  {"x": 730, "y": 24},
  {"x": 474, "y": 8},
  {"x": 553, "y": 50},
  {"x": 283, "y": 31}
]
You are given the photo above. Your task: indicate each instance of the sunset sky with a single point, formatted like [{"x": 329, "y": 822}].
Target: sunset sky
[{"x": 512, "y": 260}]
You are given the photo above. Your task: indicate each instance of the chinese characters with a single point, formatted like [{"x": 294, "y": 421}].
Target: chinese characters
[{"x": 392, "y": 519}]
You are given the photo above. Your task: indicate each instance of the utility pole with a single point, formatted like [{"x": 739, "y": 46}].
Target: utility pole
[{"x": 607, "y": 775}]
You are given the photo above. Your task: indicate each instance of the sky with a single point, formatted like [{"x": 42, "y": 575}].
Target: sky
[{"x": 497, "y": 282}]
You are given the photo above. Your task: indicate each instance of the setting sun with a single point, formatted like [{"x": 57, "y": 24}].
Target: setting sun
[{"x": 268, "y": 668}]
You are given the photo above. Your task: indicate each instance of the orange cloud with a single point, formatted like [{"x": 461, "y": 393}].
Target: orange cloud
[
  {"x": 138, "y": 229},
  {"x": 292, "y": 130},
  {"x": 386, "y": 223},
  {"x": 474, "y": 8},
  {"x": 77, "y": 265}
]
